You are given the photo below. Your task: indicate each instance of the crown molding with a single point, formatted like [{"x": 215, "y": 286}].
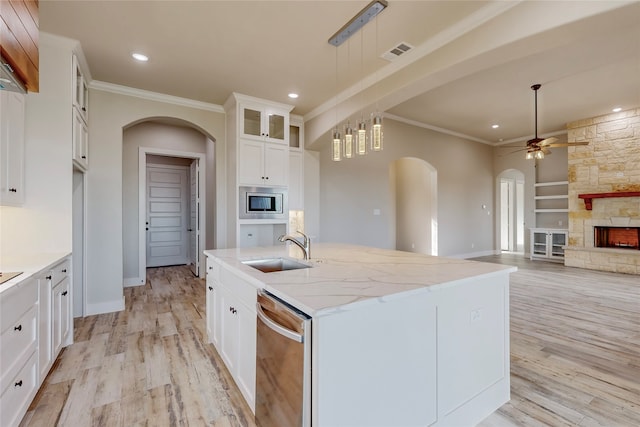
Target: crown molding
[
  {"x": 435, "y": 128},
  {"x": 155, "y": 96}
]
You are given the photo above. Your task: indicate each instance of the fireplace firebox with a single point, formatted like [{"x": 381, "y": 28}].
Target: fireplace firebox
[{"x": 617, "y": 237}]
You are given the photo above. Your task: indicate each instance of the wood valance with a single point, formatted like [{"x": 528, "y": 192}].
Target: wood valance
[{"x": 588, "y": 198}]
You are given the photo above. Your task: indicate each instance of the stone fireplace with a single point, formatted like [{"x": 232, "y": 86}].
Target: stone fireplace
[{"x": 604, "y": 193}]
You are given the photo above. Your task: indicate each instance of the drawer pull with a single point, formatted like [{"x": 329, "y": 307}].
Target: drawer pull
[
  {"x": 17, "y": 328},
  {"x": 210, "y": 288},
  {"x": 18, "y": 384},
  {"x": 64, "y": 294},
  {"x": 48, "y": 277},
  {"x": 64, "y": 271}
]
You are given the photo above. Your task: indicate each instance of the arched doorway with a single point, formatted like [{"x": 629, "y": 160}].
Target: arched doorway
[
  {"x": 510, "y": 184},
  {"x": 414, "y": 184},
  {"x": 173, "y": 145}
]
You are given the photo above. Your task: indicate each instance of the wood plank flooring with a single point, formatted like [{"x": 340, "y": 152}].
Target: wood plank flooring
[
  {"x": 575, "y": 347},
  {"x": 575, "y": 356},
  {"x": 149, "y": 365}
]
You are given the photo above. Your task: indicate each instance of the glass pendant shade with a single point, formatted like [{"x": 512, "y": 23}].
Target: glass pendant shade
[
  {"x": 336, "y": 149},
  {"x": 348, "y": 141},
  {"x": 376, "y": 132},
  {"x": 529, "y": 155},
  {"x": 361, "y": 139},
  {"x": 539, "y": 154}
]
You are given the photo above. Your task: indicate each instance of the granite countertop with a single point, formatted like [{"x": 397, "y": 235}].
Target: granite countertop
[
  {"x": 29, "y": 265},
  {"x": 343, "y": 275}
]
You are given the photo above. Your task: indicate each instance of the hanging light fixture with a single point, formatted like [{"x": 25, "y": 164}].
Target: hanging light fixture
[
  {"x": 376, "y": 132},
  {"x": 336, "y": 148},
  {"x": 359, "y": 135},
  {"x": 348, "y": 141}
]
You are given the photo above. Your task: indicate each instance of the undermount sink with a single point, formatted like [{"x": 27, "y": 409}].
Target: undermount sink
[{"x": 269, "y": 265}]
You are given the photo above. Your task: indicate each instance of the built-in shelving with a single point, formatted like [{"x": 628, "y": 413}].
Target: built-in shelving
[{"x": 551, "y": 197}]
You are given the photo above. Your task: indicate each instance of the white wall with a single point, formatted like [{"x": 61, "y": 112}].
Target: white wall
[
  {"x": 43, "y": 223},
  {"x": 110, "y": 113},
  {"x": 151, "y": 135},
  {"x": 414, "y": 184},
  {"x": 350, "y": 190}
]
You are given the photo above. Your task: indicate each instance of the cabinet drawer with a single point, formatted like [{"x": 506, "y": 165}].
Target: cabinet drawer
[
  {"x": 16, "y": 301},
  {"x": 60, "y": 271},
  {"x": 17, "y": 396},
  {"x": 17, "y": 341}
]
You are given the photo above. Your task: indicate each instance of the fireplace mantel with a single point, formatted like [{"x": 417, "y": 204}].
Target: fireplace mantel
[{"x": 588, "y": 198}]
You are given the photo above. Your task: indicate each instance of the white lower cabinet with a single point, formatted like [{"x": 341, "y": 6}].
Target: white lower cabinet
[
  {"x": 45, "y": 351},
  {"x": 18, "y": 350},
  {"x": 548, "y": 243},
  {"x": 60, "y": 314},
  {"x": 36, "y": 322},
  {"x": 231, "y": 325}
]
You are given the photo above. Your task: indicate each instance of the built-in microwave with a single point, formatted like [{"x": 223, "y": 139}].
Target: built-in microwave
[{"x": 263, "y": 203}]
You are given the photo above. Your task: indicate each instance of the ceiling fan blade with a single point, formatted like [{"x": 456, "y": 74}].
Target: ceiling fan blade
[
  {"x": 547, "y": 141},
  {"x": 511, "y": 152},
  {"x": 545, "y": 150}
]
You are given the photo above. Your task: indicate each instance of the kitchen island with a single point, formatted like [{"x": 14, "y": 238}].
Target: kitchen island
[{"x": 398, "y": 339}]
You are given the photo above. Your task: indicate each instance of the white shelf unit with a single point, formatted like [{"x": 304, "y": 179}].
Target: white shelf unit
[
  {"x": 548, "y": 243},
  {"x": 552, "y": 197}
]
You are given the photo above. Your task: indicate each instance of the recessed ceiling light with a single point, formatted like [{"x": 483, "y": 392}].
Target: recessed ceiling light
[
  {"x": 617, "y": 109},
  {"x": 495, "y": 126},
  {"x": 140, "y": 57},
  {"x": 293, "y": 95}
]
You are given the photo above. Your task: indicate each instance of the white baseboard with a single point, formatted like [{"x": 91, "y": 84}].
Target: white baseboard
[
  {"x": 132, "y": 281},
  {"x": 104, "y": 307}
]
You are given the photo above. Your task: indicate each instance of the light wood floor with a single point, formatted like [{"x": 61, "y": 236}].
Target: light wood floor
[{"x": 575, "y": 356}]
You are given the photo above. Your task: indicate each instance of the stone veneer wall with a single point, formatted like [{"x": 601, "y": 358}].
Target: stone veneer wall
[{"x": 610, "y": 163}]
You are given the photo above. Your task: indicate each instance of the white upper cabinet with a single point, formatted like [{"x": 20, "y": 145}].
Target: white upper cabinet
[
  {"x": 263, "y": 164},
  {"x": 80, "y": 107},
  {"x": 12, "y": 188},
  {"x": 80, "y": 90},
  {"x": 264, "y": 122}
]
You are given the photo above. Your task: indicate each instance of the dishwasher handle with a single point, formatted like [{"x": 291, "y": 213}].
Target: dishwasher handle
[{"x": 277, "y": 327}]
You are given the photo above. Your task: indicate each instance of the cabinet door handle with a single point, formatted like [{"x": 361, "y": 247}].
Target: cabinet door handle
[
  {"x": 17, "y": 328},
  {"x": 210, "y": 288},
  {"x": 84, "y": 157},
  {"x": 13, "y": 190},
  {"x": 64, "y": 270},
  {"x": 84, "y": 108},
  {"x": 48, "y": 277},
  {"x": 18, "y": 384},
  {"x": 64, "y": 294}
]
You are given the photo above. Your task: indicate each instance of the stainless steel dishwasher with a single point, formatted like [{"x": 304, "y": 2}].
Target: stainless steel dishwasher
[{"x": 283, "y": 364}]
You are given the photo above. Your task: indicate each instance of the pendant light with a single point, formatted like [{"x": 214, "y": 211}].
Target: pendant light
[
  {"x": 361, "y": 138},
  {"x": 336, "y": 148},
  {"x": 357, "y": 139},
  {"x": 348, "y": 141}
]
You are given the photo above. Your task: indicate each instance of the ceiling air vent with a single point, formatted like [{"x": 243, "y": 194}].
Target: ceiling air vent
[{"x": 395, "y": 52}]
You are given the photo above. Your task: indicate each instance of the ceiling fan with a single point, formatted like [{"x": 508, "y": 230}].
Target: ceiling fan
[{"x": 538, "y": 147}]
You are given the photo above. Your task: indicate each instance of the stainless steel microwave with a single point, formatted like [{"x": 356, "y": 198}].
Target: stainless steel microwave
[{"x": 263, "y": 203}]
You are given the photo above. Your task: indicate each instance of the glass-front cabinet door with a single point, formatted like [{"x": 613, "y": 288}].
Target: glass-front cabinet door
[
  {"x": 252, "y": 122},
  {"x": 276, "y": 126},
  {"x": 266, "y": 124}
]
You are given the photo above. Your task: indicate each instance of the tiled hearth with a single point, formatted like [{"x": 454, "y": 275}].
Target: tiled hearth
[{"x": 609, "y": 164}]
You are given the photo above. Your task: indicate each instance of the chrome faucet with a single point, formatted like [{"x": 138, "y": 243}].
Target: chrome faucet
[{"x": 305, "y": 246}]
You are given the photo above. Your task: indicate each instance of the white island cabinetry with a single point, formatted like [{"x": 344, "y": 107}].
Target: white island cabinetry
[
  {"x": 424, "y": 343},
  {"x": 231, "y": 325}
]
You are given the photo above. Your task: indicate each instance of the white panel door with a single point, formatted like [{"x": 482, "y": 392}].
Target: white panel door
[
  {"x": 194, "y": 219},
  {"x": 167, "y": 216}
]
